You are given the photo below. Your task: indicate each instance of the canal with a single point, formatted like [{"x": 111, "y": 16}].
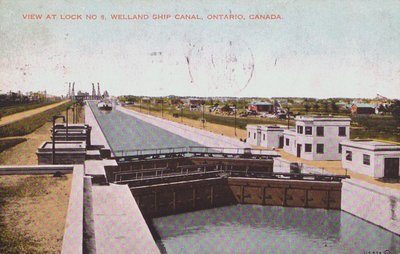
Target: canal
[
  {"x": 245, "y": 228},
  {"x": 268, "y": 229},
  {"x": 124, "y": 132}
]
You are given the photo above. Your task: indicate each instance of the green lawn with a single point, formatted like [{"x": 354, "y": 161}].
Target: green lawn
[{"x": 9, "y": 110}]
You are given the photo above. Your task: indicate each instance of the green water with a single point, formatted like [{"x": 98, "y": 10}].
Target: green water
[{"x": 265, "y": 229}]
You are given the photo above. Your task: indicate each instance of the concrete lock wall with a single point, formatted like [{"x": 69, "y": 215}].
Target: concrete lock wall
[
  {"x": 286, "y": 193},
  {"x": 61, "y": 158},
  {"x": 164, "y": 199},
  {"x": 172, "y": 198},
  {"x": 378, "y": 205}
]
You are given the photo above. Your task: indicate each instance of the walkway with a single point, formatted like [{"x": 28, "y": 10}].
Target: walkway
[{"x": 21, "y": 115}]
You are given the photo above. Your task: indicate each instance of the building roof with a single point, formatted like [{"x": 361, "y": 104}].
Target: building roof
[
  {"x": 321, "y": 118},
  {"x": 261, "y": 103},
  {"x": 364, "y": 105},
  {"x": 371, "y": 145}
]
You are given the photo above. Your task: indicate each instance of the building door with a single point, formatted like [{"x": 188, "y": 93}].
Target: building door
[
  {"x": 298, "y": 150},
  {"x": 281, "y": 142},
  {"x": 391, "y": 169}
]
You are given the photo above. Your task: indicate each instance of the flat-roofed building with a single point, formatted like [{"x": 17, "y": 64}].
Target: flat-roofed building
[
  {"x": 270, "y": 136},
  {"x": 317, "y": 138},
  {"x": 372, "y": 158}
]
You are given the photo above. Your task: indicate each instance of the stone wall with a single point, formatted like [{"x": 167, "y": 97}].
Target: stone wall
[{"x": 378, "y": 205}]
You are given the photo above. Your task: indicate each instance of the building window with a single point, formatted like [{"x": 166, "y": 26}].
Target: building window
[
  {"x": 320, "y": 148},
  {"x": 366, "y": 159},
  {"x": 349, "y": 156},
  {"x": 299, "y": 129},
  {"x": 254, "y": 135},
  {"x": 263, "y": 136},
  {"x": 340, "y": 148},
  {"x": 308, "y": 148},
  {"x": 342, "y": 131},
  {"x": 287, "y": 142},
  {"x": 320, "y": 131},
  {"x": 249, "y": 134},
  {"x": 308, "y": 130}
]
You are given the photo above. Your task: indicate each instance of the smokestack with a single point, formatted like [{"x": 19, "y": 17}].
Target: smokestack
[
  {"x": 69, "y": 90},
  {"x": 93, "y": 91},
  {"x": 98, "y": 89},
  {"x": 73, "y": 89}
]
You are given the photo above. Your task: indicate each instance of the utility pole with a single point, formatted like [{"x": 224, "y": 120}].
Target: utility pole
[
  {"x": 203, "y": 120},
  {"x": 162, "y": 108},
  {"x": 149, "y": 106},
  {"x": 288, "y": 117},
  {"x": 235, "y": 115},
  {"x": 181, "y": 113}
]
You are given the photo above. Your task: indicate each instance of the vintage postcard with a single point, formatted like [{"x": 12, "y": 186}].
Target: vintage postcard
[{"x": 133, "y": 126}]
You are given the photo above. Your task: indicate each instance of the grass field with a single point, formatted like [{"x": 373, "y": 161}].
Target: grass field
[
  {"x": 32, "y": 208},
  {"x": 363, "y": 127},
  {"x": 9, "y": 110},
  {"x": 32, "y": 213},
  {"x": 8, "y": 143},
  {"x": 31, "y": 123},
  {"x": 241, "y": 122}
]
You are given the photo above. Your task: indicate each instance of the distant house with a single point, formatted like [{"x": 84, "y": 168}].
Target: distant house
[
  {"x": 193, "y": 104},
  {"x": 261, "y": 107},
  {"x": 362, "y": 108}
]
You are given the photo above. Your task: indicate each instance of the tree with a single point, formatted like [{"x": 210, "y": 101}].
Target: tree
[
  {"x": 326, "y": 106},
  {"x": 395, "y": 108},
  {"x": 316, "y": 106},
  {"x": 334, "y": 107},
  {"x": 307, "y": 107}
]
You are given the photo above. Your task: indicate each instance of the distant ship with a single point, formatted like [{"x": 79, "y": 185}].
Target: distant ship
[{"x": 105, "y": 105}]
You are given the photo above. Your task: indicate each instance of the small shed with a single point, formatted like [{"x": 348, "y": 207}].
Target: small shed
[{"x": 372, "y": 158}]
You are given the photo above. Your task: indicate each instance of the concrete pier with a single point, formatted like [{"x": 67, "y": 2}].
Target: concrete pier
[
  {"x": 97, "y": 137},
  {"x": 118, "y": 222},
  {"x": 378, "y": 205}
]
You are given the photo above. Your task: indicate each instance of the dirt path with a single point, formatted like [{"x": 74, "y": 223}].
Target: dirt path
[{"x": 21, "y": 115}]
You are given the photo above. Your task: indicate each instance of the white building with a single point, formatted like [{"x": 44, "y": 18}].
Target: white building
[
  {"x": 317, "y": 138},
  {"x": 372, "y": 158},
  {"x": 264, "y": 135}
]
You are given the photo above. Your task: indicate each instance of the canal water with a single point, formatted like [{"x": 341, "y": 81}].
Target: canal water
[
  {"x": 267, "y": 229},
  {"x": 124, "y": 132}
]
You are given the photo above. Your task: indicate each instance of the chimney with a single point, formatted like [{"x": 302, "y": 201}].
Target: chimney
[
  {"x": 93, "y": 91},
  {"x": 69, "y": 90},
  {"x": 73, "y": 89},
  {"x": 98, "y": 89}
]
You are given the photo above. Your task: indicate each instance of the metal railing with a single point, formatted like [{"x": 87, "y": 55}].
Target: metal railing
[{"x": 191, "y": 151}]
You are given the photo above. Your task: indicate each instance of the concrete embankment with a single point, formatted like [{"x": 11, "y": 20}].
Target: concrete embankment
[
  {"x": 378, "y": 205},
  {"x": 202, "y": 137},
  {"x": 98, "y": 139}
]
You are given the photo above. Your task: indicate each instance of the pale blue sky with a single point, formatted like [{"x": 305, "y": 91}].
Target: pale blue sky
[{"x": 319, "y": 49}]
